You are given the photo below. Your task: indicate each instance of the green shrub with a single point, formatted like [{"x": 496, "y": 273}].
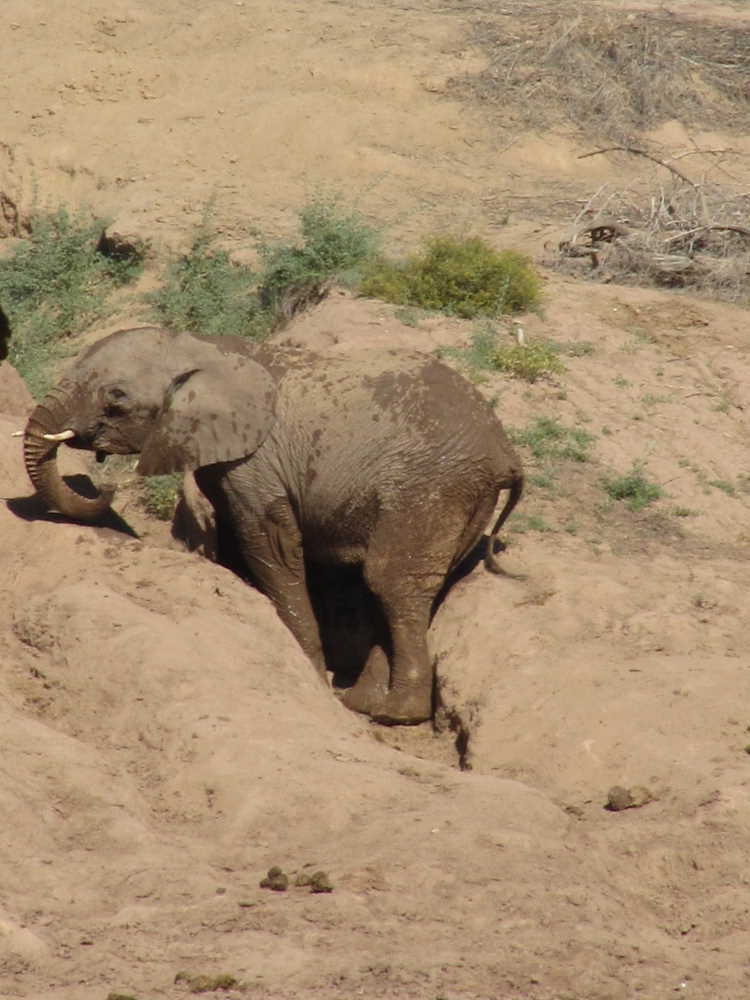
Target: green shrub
[
  {"x": 56, "y": 283},
  {"x": 487, "y": 353},
  {"x": 459, "y": 276},
  {"x": 161, "y": 493},
  {"x": 633, "y": 488},
  {"x": 206, "y": 292},
  {"x": 334, "y": 242},
  {"x": 530, "y": 361}
]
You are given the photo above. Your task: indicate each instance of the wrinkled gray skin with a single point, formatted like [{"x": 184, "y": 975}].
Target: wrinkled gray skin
[{"x": 389, "y": 461}]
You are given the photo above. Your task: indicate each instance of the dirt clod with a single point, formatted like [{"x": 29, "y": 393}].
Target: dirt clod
[
  {"x": 319, "y": 882},
  {"x": 276, "y": 879},
  {"x": 619, "y": 798}
]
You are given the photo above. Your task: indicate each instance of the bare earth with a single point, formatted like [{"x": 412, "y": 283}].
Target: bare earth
[{"x": 165, "y": 742}]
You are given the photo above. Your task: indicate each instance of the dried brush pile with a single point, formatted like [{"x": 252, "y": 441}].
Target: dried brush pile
[
  {"x": 682, "y": 235},
  {"x": 612, "y": 73}
]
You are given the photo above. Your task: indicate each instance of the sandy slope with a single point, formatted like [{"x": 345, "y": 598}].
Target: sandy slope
[{"x": 163, "y": 739}]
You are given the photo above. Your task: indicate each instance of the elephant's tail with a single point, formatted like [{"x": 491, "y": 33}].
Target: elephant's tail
[{"x": 515, "y": 485}]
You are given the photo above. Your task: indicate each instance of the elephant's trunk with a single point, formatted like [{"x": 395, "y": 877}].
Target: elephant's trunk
[{"x": 48, "y": 425}]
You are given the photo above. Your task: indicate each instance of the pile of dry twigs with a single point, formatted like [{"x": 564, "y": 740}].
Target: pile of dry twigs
[{"x": 684, "y": 234}]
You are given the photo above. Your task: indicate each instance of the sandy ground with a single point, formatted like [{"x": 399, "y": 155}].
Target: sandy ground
[{"x": 164, "y": 741}]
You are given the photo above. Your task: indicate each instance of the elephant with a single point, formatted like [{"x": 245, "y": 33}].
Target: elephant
[{"x": 387, "y": 463}]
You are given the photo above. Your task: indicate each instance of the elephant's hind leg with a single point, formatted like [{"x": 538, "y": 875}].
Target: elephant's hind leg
[{"x": 406, "y": 579}]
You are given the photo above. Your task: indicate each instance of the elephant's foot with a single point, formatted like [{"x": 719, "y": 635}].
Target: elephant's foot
[
  {"x": 372, "y": 696},
  {"x": 371, "y": 688},
  {"x": 391, "y": 708},
  {"x": 404, "y": 708}
]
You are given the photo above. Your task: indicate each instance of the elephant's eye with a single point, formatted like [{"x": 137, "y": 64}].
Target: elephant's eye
[{"x": 114, "y": 401}]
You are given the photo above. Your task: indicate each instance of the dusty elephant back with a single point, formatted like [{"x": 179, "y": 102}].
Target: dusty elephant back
[{"x": 395, "y": 428}]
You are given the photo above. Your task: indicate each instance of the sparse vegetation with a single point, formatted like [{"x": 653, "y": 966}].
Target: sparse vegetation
[
  {"x": 408, "y": 315},
  {"x": 530, "y": 361},
  {"x": 55, "y": 283},
  {"x": 161, "y": 493},
  {"x": 542, "y": 480},
  {"x": 459, "y": 276},
  {"x": 205, "y": 291},
  {"x": 679, "y": 511},
  {"x": 633, "y": 488},
  {"x": 522, "y": 523},
  {"x": 548, "y": 439},
  {"x": 578, "y": 348},
  {"x": 335, "y": 242},
  {"x": 724, "y": 486},
  {"x": 200, "y": 983},
  {"x": 488, "y": 351},
  {"x": 653, "y": 399}
]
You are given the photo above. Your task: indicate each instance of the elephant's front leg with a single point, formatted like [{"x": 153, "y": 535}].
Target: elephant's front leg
[{"x": 272, "y": 551}]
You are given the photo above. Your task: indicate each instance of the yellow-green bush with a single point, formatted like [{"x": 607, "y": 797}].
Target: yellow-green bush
[{"x": 460, "y": 276}]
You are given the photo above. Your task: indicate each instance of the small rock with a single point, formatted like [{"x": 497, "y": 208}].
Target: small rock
[
  {"x": 619, "y": 798},
  {"x": 121, "y": 242}
]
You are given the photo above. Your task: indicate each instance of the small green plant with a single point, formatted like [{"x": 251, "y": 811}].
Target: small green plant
[
  {"x": 408, "y": 315},
  {"x": 653, "y": 399},
  {"x": 723, "y": 403},
  {"x": 459, "y": 276},
  {"x": 578, "y": 348},
  {"x": 633, "y": 488},
  {"x": 683, "y": 511},
  {"x": 548, "y": 439},
  {"x": 56, "y": 283},
  {"x": 335, "y": 242},
  {"x": 542, "y": 480},
  {"x": 522, "y": 523},
  {"x": 621, "y": 383},
  {"x": 486, "y": 353},
  {"x": 205, "y": 291},
  {"x": 530, "y": 361},
  {"x": 161, "y": 493},
  {"x": 200, "y": 983},
  {"x": 724, "y": 486}
]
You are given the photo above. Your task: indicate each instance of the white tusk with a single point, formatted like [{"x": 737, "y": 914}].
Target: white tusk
[
  {"x": 17, "y": 434},
  {"x": 62, "y": 436}
]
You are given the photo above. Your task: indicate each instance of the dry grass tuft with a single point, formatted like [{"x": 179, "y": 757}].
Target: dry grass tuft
[{"x": 612, "y": 73}]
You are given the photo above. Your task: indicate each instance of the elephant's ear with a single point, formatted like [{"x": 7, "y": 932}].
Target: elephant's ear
[{"x": 219, "y": 412}]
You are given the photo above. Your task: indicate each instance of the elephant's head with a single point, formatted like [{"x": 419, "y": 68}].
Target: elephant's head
[{"x": 179, "y": 401}]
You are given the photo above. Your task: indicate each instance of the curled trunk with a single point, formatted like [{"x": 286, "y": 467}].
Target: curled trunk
[{"x": 53, "y": 416}]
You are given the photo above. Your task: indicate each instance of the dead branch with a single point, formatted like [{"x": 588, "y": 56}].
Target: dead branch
[{"x": 640, "y": 152}]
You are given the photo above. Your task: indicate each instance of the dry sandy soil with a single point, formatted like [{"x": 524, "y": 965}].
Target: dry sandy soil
[{"x": 164, "y": 741}]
